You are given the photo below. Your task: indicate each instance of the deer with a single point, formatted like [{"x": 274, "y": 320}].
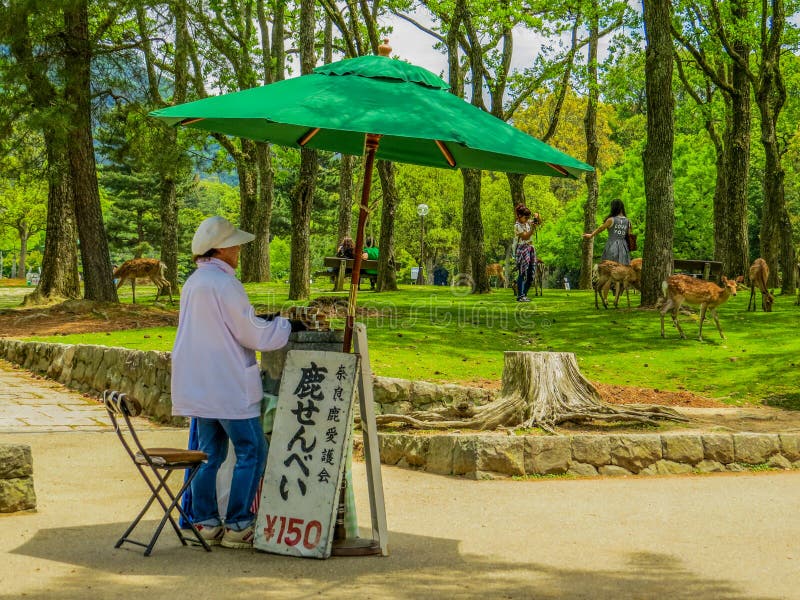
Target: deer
[
  {"x": 708, "y": 295},
  {"x": 151, "y": 268},
  {"x": 623, "y": 276},
  {"x": 538, "y": 275},
  {"x": 496, "y": 270},
  {"x": 759, "y": 273}
]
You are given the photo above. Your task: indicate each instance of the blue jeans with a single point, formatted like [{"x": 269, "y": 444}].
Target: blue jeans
[
  {"x": 251, "y": 457},
  {"x": 524, "y": 280}
]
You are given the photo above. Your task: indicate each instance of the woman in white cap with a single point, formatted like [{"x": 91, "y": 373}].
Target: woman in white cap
[{"x": 216, "y": 379}]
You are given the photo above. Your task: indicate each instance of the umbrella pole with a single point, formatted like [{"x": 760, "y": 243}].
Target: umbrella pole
[{"x": 372, "y": 143}]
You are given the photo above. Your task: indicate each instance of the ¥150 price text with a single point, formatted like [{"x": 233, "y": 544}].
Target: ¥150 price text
[{"x": 291, "y": 531}]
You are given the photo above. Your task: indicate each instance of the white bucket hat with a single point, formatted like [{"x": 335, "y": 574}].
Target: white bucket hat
[{"x": 217, "y": 232}]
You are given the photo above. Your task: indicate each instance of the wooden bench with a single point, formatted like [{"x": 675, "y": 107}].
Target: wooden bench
[
  {"x": 343, "y": 267},
  {"x": 709, "y": 269}
]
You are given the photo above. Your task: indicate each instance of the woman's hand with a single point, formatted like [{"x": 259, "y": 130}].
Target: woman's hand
[{"x": 588, "y": 236}]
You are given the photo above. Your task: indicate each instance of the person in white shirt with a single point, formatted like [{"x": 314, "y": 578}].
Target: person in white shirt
[
  {"x": 525, "y": 253},
  {"x": 216, "y": 379}
]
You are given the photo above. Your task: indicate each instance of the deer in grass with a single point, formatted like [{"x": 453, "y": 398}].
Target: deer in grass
[
  {"x": 150, "y": 268},
  {"x": 759, "y": 273},
  {"x": 708, "y": 295},
  {"x": 496, "y": 270},
  {"x": 622, "y": 276}
]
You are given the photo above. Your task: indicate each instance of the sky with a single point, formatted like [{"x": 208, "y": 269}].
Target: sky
[{"x": 410, "y": 43}]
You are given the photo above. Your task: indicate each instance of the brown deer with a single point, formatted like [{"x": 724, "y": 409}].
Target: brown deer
[
  {"x": 538, "y": 276},
  {"x": 708, "y": 295},
  {"x": 622, "y": 276},
  {"x": 150, "y": 268},
  {"x": 759, "y": 274},
  {"x": 496, "y": 270}
]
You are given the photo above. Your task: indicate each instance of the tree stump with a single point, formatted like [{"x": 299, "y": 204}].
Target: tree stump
[{"x": 540, "y": 389}]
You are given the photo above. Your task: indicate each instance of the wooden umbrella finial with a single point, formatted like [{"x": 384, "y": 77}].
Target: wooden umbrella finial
[{"x": 384, "y": 49}]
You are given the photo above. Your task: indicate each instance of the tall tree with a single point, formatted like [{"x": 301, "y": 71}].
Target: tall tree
[
  {"x": 44, "y": 105},
  {"x": 172, "y": 152},
  {"x": 658, "y": 150},
  {"x": 304, "y": 193},
  {"x": 776, "y": 226},
  {"x": 592, "y": 150},
  {"x": 730, "y": 40},
  {"x": 97, "y": 280},
  {"x": 234, "y": 38}
]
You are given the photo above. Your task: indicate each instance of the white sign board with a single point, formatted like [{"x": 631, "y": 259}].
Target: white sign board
[{"x": 305, "y": 466}]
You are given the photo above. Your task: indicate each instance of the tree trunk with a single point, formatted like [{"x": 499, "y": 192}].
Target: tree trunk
[
  {"x": 387, "y": 273},
  {"x": 60, "y": 261},
  {"x": 737, "y": 168},
  {"x": 169, "y": 175},
  {"x": 97, "y": 280},
  {"x": 301, "y": 221},
  {"x": 345, "y": 197},
  {"x": 776, "y": 227},
  {"x": 660, "y": 201},
  {"x": 266, "y": 191},
  {"x": 248, "y": 207},
  {"x": 304, "y": 193},
  {"x": 540, "y": 389},
  {"x": 471, "y": 255},
  {"x": 22, "y": 230},
  {"x": 592, "y": 151},
  {"x": 516, "y": 183},
  {"x": 169, "y": 226}
]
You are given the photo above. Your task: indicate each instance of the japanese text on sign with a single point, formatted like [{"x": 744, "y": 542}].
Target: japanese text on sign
[{"x": 305, "y": 463}]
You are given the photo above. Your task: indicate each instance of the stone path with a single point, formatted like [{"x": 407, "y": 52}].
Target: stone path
[{"x": 30, "y": 404}]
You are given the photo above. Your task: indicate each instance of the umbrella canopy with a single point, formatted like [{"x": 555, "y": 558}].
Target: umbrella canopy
[
  {"x": 380, "y": 108},
  {"x": 418, "y": 120}
]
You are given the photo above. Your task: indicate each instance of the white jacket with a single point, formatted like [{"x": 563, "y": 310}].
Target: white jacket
[{"x": 214, "y": 370}]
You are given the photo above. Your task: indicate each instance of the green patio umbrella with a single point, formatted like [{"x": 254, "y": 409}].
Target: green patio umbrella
[{"x": 378, "y": 107}]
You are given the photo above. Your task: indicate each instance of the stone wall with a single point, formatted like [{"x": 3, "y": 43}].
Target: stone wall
[
  {"x": 16, "y": 478},
  {"x": 480, "y": 456},
  {"x": 146, "y": 377}
]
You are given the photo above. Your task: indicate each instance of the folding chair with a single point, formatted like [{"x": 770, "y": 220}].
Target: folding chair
[{"x": 157, "y": 461}]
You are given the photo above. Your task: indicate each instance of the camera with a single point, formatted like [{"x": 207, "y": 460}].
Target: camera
[{"x": 536, "y": 219}]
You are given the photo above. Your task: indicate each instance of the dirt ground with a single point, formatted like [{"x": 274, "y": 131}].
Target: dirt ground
[{"x": 80, "y": 316}]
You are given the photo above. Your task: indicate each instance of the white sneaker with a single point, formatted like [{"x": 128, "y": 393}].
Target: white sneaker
[
  {"x": 212, "y": 535},
  {"x": 238, "y": 539}
]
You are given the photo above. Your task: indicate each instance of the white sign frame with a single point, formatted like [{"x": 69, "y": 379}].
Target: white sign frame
[{"x": 297, "y": 510}]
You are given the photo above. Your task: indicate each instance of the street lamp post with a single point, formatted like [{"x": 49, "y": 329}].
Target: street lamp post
[{"x": 422, "y": 210}]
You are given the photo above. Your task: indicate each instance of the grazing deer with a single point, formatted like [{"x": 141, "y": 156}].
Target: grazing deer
[
  {"x": 151, "y": 268},
  {"x": 538, "y": 275},
  {"x": 622, "y": 276},
  {"x": 496, "y": 270},
  {"x": 683, "y": 288},
  {"x": 759, "y": 273}
]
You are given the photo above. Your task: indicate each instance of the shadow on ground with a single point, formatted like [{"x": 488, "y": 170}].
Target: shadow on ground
[{"x": 419, "y": 567}]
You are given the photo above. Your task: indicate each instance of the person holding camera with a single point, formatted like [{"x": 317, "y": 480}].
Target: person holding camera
[{"x": 525, "y": 253}]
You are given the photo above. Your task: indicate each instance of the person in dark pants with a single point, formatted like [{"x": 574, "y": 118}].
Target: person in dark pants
[{"x": 217, "y": 381}]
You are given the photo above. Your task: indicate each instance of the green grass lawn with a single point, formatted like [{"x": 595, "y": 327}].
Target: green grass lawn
[{"x": 436, "y": 335}]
